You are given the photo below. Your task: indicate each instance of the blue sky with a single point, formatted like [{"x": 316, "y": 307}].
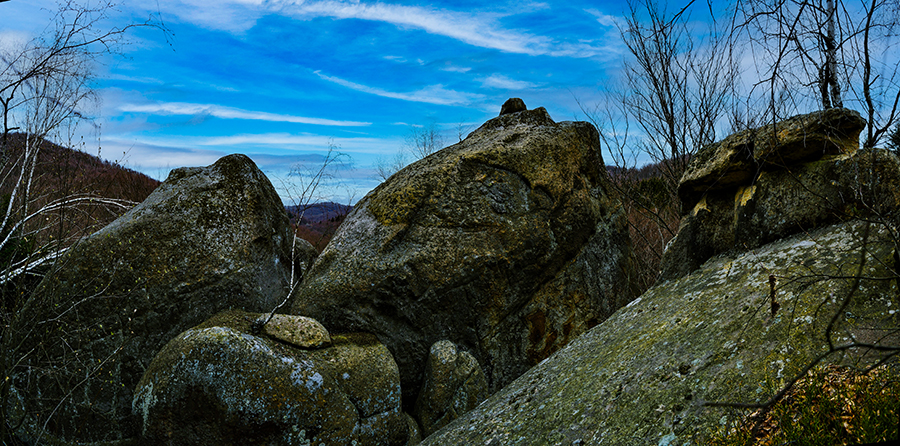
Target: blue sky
[
  {"x": 284, "y": 80},
  {"x": 281, "y": 80}
]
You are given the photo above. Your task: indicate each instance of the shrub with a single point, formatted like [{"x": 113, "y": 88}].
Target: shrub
[{"x": 832, "y": 405}]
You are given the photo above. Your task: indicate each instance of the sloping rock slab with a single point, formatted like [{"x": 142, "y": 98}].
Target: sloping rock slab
[
  {"x": 217, "y": 384},
  {"x": 206, "y": 240},
  {"x": 457, "y": 246},
  {"x": 643, "y": 375}
]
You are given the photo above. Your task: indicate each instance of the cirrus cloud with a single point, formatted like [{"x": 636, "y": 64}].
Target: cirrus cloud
[
  {"x": 219, "y": 111},
  {"x": 433, "y": 94}
]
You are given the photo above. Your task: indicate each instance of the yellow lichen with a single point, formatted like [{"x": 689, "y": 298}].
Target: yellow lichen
[
  {"x": 700, "y": 206},
  {"x": 744, "y": 195}
]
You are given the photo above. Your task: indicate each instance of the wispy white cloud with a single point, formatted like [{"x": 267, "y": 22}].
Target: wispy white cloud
[
  {"x": 270, "y": 142},
  {"x": 225, "y": 15},
  {"x": 503, "y": 82},
  {"x": 157, "y": 157},
  {"x": 478, "y": 29},
  {"x": 482, "y": 29},
  {"x": 455, "y": 69},
  {"x": 136, "y": 79},
  {"x": 295, "y": 141},
  {"x": 433, "y": 94},
  {"x": 12, "y": 41},
  {"x": 603, "y": 19},
  {"x": 184, "y": 108}
]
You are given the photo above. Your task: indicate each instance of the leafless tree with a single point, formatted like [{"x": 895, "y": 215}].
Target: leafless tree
[
  {"x": 309, "y": 184},
  {"x": 421, "y": 141},
  {"x": 825, "y": 53},
  {"x": 313, "y": 182},
  {"x": 424, "y": 140},
  {"x": 819, "y": 54},
  {"x": 678, "y": 85},
  {"x": 677, "y": 88},
  {"x": 893, "y": 143},
  {"x": 45, "y": 88},
  {"x": 385, "y": 167}
]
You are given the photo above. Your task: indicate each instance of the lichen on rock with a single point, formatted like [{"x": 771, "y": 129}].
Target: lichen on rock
[
  {"x": 206, "y": 240},
  {"x": 643, "y": 375},
  {"x": 298, "y": 331},
  {"x": 218, "y": 384},
  {"x": 470, "y": 242}
]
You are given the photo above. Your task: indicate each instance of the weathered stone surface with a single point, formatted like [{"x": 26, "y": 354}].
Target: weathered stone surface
[
  {"x": 454, "y": 384},
  {"x": 217, "y": 384},
  {"x": 466, "y": 245},
  {"x": 512, "y": 105},
  {"x": 415, "y": 433},
  {"x": 643, "y": 375},
  {"x": 304, "y": 255},
  {"x": 809, "y": 137},
  {"x": 738, "y": 159},
  {"x": 206, "y": 240},
  {"x": 721, "y": 165},
  {"x": 299, "y": 331},
  {"x": 783, "y": 202}
]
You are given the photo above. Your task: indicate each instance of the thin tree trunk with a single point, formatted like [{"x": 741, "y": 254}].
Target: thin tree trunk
[{"x": 830, "y": 79}]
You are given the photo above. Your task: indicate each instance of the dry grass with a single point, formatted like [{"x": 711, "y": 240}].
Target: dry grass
[{"x": 832, "y": 405}]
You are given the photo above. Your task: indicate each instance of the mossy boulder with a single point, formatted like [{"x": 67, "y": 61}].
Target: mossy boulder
[
  {"x": 454, "y": 384},
  {"x": 467, "y": 245},
  {"x": 299, "y": 331},
  {"x": 512, "y": 105},
  {"x": 782, "y": 202},
  {"x": 738, "y": 159},
  {"x": 208, "y": 239},
  {"x": 809, "y": 137},
  {"x": 217, "y": 383},
  {"x": 644, "y": 375},
  {"x": 721, "y": 165},
  {"x": 762, "y": 184}
]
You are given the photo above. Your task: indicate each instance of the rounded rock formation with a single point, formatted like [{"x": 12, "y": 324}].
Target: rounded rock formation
[
  {"x": 512, "y": 105},
  {"x": 218, "y": 384},
  {"x": 507, "y": 243},
  {"x": 206, "y": 240}
]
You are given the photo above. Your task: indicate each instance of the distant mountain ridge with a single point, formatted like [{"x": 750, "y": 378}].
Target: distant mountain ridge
[
  {"x": 317, "y": 222},
  {"x": 317, "y": 212}
]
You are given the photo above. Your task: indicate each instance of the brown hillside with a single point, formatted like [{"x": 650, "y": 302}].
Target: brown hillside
[{"x": 62, "y": 172}]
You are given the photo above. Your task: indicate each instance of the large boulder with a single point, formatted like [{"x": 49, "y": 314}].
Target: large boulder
[
  {"x": 217, "y": 384},
  {"x": 737, "y": 159},
  {"x": 507, "y": 244},
  {"x": 743, "y": 202},
  {"x": 644, "y": 376},
  {"x": 208, "y": 239}
]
